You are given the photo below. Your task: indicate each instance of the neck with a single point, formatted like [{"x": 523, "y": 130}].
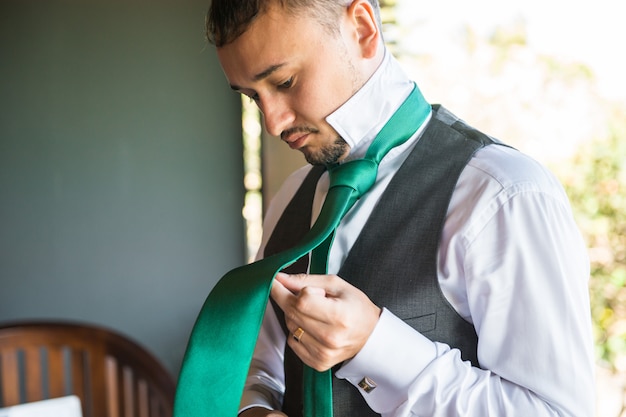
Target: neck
[{"x": 374, "y": 63}]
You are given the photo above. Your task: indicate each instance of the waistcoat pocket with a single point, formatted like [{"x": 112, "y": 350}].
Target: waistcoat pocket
[{"x": 423, "y": 323}]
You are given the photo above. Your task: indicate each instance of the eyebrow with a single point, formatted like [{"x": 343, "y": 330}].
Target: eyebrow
[{"x": 261, "y": 75}]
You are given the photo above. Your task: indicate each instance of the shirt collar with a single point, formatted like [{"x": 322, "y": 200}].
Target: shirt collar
[{"x": 359, "y": 119}]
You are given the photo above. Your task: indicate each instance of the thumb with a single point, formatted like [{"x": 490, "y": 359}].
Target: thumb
[
  {"x": 293, "y": 282},
  {"x": 314, "y": 285}
]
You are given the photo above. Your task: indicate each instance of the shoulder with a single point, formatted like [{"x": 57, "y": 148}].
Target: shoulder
[
  {"x": 288, "y": 188},
  {"x": 498, "y": 180},
  {"x": 507, "y": 170},
  {"x": 287, "y": 191},
  {"x": 495, "y": 168},
  {"x": 281, "y": 199}
]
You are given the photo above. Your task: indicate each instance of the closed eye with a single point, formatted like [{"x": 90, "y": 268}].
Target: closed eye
[{"x": 286, "y": 84}]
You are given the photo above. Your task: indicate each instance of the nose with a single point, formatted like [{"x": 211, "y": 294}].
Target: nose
[{"x": 277, "y": 115}]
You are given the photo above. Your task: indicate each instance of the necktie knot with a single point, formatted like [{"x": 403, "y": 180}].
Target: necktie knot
[{"x": 359, "y": 174}]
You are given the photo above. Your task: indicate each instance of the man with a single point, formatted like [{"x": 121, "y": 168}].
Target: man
[{"x": 502, "y": 329}]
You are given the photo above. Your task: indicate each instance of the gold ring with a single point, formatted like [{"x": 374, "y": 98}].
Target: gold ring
[{"x": 298, "y": 334}]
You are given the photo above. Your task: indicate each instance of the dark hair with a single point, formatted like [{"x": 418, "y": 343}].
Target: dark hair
[{"x": 228, "y": 19}]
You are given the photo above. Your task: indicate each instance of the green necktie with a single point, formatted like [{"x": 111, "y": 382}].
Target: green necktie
[{"x": 222, "y": 341}]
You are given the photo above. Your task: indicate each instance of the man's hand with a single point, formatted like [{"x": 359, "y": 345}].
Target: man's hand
[
  {"x": 261, "y": 412},
  {"x": 337, "y": 318}
]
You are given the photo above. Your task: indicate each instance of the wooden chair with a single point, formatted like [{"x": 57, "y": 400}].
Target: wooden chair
[{"x": 112, "y": 375}]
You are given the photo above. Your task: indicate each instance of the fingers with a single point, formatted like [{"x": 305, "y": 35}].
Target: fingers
[
  {"x": 297, "y": 282},
  {"x": 306, "y": 305},
  {"x": 329, "y": 319},
  {"x": 302, "y": 298}
]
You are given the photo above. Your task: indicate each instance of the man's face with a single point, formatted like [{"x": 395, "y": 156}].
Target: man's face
[{"x": 298, "y": 73}]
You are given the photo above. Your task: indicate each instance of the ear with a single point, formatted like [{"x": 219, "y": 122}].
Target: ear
[{"x": 362, "y": 16}]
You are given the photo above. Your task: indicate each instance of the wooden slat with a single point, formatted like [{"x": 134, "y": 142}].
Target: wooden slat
[
  {"x": 10, "y": 378},
  {"x": 56, "y": 372},
  {"x": 33, "y": 374},
  {"x": 128, "y": 392},
  {"x": 142, "y": 399},
  {"x": 98, "y": 382},
  {"x": 112, "y": 388},
  {"x": 78, "y": 375},
  {"x": 154, "y": 407}
]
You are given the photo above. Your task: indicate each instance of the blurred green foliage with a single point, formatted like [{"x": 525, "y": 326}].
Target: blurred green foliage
[{"x": 596, "y": 184}]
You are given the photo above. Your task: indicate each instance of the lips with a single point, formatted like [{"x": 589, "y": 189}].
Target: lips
[
  {"x": 297, "y": 136},
  {"x": 296, "y": 140}
]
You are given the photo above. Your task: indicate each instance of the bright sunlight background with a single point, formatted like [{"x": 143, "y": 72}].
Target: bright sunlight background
[
  {"x": 546, "y": 76},
  {"x": 448, "y": 47},
  {"x": 590, "y": 32}
]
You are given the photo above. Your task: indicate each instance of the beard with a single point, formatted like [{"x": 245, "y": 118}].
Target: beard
[{"x": 328, "y": 155}]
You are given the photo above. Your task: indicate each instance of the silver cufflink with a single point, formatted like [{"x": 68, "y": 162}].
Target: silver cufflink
[{"x": 367, "y": 385}]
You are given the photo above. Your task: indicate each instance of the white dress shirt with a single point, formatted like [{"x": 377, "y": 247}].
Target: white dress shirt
[{"x": 511, "y": 262}]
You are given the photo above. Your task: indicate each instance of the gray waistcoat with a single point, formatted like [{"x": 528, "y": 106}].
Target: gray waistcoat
[{"x": 394, "y": 259}]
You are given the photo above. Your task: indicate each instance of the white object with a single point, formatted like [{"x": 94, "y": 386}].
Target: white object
[{"x": 56, "y": 407}]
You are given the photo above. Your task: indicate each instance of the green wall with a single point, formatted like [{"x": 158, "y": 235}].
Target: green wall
[{"x": 120, "y": 167}]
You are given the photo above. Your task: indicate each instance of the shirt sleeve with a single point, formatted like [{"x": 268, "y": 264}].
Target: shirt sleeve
[{"x": 525, "y": 272}]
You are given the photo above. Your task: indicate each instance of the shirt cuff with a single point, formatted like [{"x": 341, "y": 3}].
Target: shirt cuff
[{"x": 392, "y": 358}]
